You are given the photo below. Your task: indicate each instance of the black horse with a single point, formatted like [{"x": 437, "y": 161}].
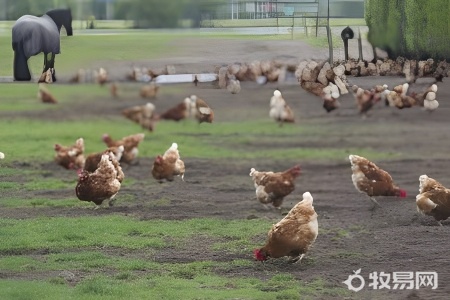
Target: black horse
[{"x": 32, "y": 35}]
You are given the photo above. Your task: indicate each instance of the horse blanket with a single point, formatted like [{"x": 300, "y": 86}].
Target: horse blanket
[{"x": 36, "y": 34}]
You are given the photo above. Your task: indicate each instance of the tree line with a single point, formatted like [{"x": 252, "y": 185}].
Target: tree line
[
  {"x": 144, "y": 13},
  {"x": 414, "y": 29}
]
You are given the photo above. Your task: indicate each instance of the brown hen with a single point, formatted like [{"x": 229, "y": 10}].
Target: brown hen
[
  {"x": 70, "y": 157},
  {"x": 167, "y": 166},
  {"x": 369, "y": 179},
  {"x": 93, "y": 159},
  {"x": 293, "y": 235},
  {"x": 433, "y": 199},
  {"x": 179, "y": 112},
  {"x": 102, "y": 184},
  {"x": 273, "y": 187},
  {"x": 143, "y": 115},
  {"x": 204, "y": 112},
  {"x": 130, "y": 144}
]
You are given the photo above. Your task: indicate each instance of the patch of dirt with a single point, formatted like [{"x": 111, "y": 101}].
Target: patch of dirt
[{"x": 391, "y": 238}]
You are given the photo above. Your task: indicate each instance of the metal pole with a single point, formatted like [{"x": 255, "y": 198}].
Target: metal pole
[
  {"x": 330, "y": 42},
  {"x": 232, "y": 10},
  {"x": 80, "y": 12},
  {"x": 360, "y": 45},
  {"x": 328, "y": 14},
  {"x": 292, "y": 32},
  {"x": 276, "y": 11}
]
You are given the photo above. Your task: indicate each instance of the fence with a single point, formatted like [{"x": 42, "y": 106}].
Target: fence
[
  {"x": 312, "y": 13},
  {"x": 260, "y": 9},
  {"x": 272, "y": 13}
]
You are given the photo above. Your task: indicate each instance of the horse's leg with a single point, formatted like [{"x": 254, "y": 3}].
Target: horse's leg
[
  {"x": 21, "y": 71},
  {"x": 45, "y": 63},
  {"x": 52, "y": 65}
]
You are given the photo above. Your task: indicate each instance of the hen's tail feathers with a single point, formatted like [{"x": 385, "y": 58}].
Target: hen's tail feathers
[
  {"x": 422, "y": 178},
  {"x": 174, "y": 146},
  {"x": 307, "y": 198},
  {"x": 2, "y": 155},
  {"x": 80, "y": 142},
  {"x": 140, "y": 136},
  {"x": 252, "y": 171},
  {"x": 353, "y": 158},
  {"x": 277, "y": 93}
]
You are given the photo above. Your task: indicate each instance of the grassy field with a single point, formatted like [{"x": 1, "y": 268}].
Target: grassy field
[
  {"x": 56, "y": 247},
  {"x": 152, "y": 43},
  {"x": 118, "y": 263},
  {"x": 79, "y": 244}
]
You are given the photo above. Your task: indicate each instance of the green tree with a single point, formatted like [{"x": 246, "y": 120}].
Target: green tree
[
  {"x": 151, "y": 13},
  {"x": 164, "y": 13},
  {"x": 17, "y": 8},
  {"x": 410, "y": 28}
]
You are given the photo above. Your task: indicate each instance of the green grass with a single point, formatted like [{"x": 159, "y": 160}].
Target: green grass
[
  {"x": 34, "y": 139},
  {"x": 43, "y": 202},
  {"x": 77, "y": 51},
  {"x": 109, "y": 268},
  {"x": 281, "y": 286},
  {"x": 113, "y": 256},
  {"x": 37, "y": 138},
  {"x": 123, "y": 265},
  {"x": 120, "y": 232},
  {"x": 24, "y": 96}
]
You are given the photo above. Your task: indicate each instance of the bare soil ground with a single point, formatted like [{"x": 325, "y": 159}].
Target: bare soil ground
[{"x": 391, "y": 238}]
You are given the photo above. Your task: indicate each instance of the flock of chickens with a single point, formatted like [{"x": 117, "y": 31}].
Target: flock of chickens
[
  {"x": 100, "y": 176},
  {"x": 146, "y": 116},
  {"x": 399, "y": 97},
  {"x": 365, "y": 100},
  {"x": 297, "y": 231}
]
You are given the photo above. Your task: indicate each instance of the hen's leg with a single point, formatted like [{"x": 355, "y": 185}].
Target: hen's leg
[
  {"x": 266, "y": 206},
  {"x": 375, "y": 203},
  {"x": 297, "y": 259},
  {"x": 277, "y": 202},
  {"x": 111, "y": 200}
]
